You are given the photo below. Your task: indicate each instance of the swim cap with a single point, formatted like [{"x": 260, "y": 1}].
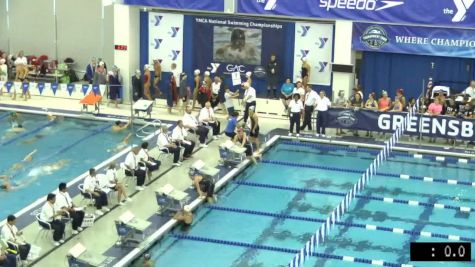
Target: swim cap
[
  {"x": 187, "y": 208},
  {"x": 248, "y": 74},
  {"x": 207, "y": 73},
  {"x": 197, "y": 72}
]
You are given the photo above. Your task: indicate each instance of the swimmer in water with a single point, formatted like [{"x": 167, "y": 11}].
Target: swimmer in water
[
  {"x": 48, "y": 168},
  {"x": 33, "y": 139},
  {"x": 51, "y": 117},
  {"x": 27, "y": 158},
  {"x": 6, "y": 183},
  {"x": 15, "y": 122},
  {"x": 121, "y": 145},
  {"x": 120, "y": 126}
]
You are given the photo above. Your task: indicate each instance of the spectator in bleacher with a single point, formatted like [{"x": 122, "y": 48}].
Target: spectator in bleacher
[
  {"x": 147, "y": 82},
  {"x": 91, "y": 187},
  {"x": 295, "y": 111},
  {"x": 230, "y": 130},
  {"x": 137, "y": 86},
  {"x": 323, "y": 105},
  {"x": 435, "y": 108},
  {"x": 402, "y": 99},
  {"x": 443, "y": 102},
  {"x": 114, "y": 184},
  {"x": 286, "y": 94},
  {"x": 180, "y": 137},
  {"x": 157, "y": 70},
  {"x": 100, "y": 76},
  {"x": 397, "y": 105},
  {"x": 469, "y": 112},
  {"x": 165, "y": 144},
  {"x": 340, "y": 102},
  {"x": 410, "y": 104},
  {"x": 371, "y": 104},
  {"x": 7, "y": 259},
  {"x": 254, "y": 128},
  {"x": 470, "y": 90},
  {"x": 14, "y": 238},
  {"x": 49, "y": 214},
  {"x": 196, "y": 87},
  {"x": 90, "y": 70},
  {"x": 384, "y": 102},
  {"x": 115, "y": 86},
  {"x": 249, "y": 99},
  {"x": 207, "y": 118},
  {"x": 356, "y": 102},
  {"x": 310, "y": 101},
  {"x": 272, "y": 76},
  {"x": 135, "y": 167},
  {"x": 65, "y": 203},
  {"x": 191, "y": 123},
  {"x": 151, "y": 163},
  {"x": 228, "y": 100}
]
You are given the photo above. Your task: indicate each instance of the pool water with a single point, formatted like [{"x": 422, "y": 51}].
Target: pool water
[
  {"x": 66, "y": 148},
  {"x": 264, "y": 207}
]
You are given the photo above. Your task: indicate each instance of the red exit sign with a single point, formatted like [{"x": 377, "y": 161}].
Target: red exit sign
[{"x": 121, "y": 47}]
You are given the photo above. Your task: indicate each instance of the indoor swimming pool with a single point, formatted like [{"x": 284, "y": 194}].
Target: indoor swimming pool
[
  {"x": 66, "y": 148},
  {"x": 268, "y": 213}
]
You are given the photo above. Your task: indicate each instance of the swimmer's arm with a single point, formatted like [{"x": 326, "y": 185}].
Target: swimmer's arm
[
  {"x": 29, "y": 157},
  {"x": 126, "y": 139}
]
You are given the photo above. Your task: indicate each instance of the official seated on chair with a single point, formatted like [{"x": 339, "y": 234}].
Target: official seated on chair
[
  {"x": 92, "y": 188},
  {"x": 50, "y": 217},
  {"x": 207, "y": 118},
  {"x": 191, "y": 123},
  {"x": 65, "y": 202},
  {"x": 114, "y": 184},
  {"x": 14, "y": 238},
  {"x": 6, "y": 259},
  {"x": 179, "y": 136},
  {"x": 151, "y": 163},
  {"x": 165, "y": 144},
  {"x": 134, "y": 167}
]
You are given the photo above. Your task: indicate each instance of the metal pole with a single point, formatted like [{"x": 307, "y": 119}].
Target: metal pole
[
  {"x": 55, "y": 38},
  {"x": 421, "y": 114},
  {"x": 131, "y": 109}
]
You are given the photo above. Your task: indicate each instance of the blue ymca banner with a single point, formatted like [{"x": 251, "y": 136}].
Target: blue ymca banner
[
  {"x": 370, "y": 120},
  {"x": 209, "y": 5},
  {"x": 228, "y": 45},
  {"x": 414, "y": 40},
  {"x": 453, "y": 13}
]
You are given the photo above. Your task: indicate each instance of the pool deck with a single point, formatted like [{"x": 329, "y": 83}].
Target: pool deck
[{"x": 270, "y": 123}]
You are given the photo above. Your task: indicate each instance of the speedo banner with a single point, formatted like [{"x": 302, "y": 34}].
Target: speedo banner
[
  {"x": 434, "y": 126},
  {"x": 414, "y": 40},
  {"x": 225, "y": 45},
  {"x": 453, "y": 13},
  {"x": 209, "y": 5}
]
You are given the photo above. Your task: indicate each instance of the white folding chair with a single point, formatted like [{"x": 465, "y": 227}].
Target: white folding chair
[{"x": 44, "y": 228}]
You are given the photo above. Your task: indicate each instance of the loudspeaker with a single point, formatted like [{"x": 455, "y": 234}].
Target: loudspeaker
[{"x": 342, "y": 68}]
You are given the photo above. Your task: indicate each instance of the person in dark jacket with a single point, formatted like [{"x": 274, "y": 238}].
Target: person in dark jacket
[
  {"x": 137, "y": 86},
  {"x": 272, "y": 77}
]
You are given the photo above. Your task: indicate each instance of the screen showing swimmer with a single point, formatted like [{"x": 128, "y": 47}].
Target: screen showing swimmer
[{"x": 236, "y": 45}]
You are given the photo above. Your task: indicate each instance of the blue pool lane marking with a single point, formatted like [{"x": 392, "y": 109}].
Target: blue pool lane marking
[
  {"x": 392, "y": 175},
  {"x": 26, "y": 133},
  {"x": 353, "y": 225},
  {"x": 287, "y": 250},
  {"x": 376, "y": 198},
  {"x": 375, "y": 152}
]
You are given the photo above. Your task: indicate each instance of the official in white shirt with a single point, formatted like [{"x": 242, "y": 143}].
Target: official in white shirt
[
  {"x": 299, "y": 89},
  {"x": 166, "y": 144},
  {"x": 310, "y": 101},
  {"x": 192, "y": 124},
  {"x": 249, "y": 99},
  {"x": 216, "y": 87},
  {"x": 322, "y": 113},
  {"x": 114, "y": 184},
  {"x": 151, "y": 163},
  {"x": 134, "y": 167},
  {"x": 92, "y": 188},
  {"x": 49, "y": 214},
  {"x": 470, "y": 90},
  {"x": 179, "y": 135},
  {"x": 64, "y": 202},
  {"x": 207, "y": 118},
  {"x": 11, "y": 236},
  {"x": 295, "y": 108}
]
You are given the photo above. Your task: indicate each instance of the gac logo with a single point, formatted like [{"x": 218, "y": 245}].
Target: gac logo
[{"x": 234, "y": 68}]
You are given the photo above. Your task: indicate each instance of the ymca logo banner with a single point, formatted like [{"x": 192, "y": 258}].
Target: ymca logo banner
[
  {"x": 226, "y": 45},
  {"x": 315, "y": 42},
  {"x": 414, "y": 40},
  {"x": 210, "y": 5},
  {"x": 434, "y": 126},
  {"x": 166, "y": 40},
  {"x": 453, "y": 13}
]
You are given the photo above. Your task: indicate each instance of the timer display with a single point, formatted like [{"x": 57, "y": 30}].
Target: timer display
[{"x": 429, "y": 251}]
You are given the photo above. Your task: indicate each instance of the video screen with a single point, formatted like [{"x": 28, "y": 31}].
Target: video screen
[{"x": 237, "y": 45}]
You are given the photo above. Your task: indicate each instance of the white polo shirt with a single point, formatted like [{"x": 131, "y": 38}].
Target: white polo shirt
[
  {"x": 311, "y": 98},
  {"x": 132, "y": 160},
  {"x": 9, "y": 233},
  {"x": 63, "y": 200},
  {"x": 323, "y": 104},
  {"x": 215, "y": 88},
  {"x": 190, "y": 121},
  {"x": 90, "y": 183},
  {"x": 21, "y": 61},
  {"x": 143, "y": 154},
  {"x": 206, "y": 114},
  {"x": 163, "y": 140},
  {"x": 179, "y": 133},
  {"x": 47, "y": 212},
  {"x": 228, "y": 102},
  {"x": 469, "y": 91},
  {"x": 299, "y": 91},
  {"x": 295, "y": 106},
  {"x": 250, "y": 95}
]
